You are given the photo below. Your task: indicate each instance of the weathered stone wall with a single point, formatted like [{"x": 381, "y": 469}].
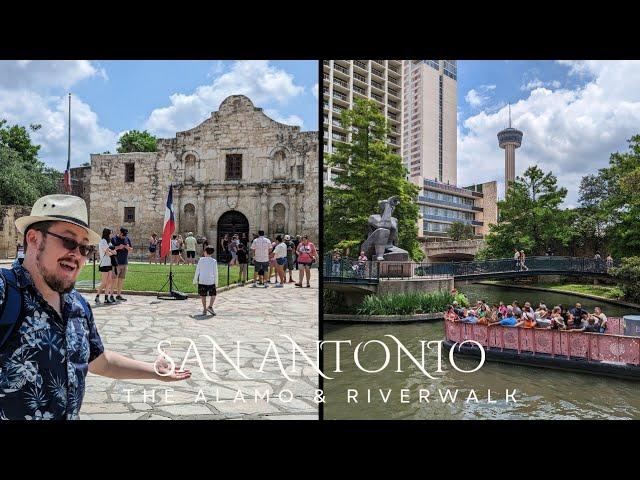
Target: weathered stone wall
[
  {"x": 9, "y": 236},
  {"x": 278, "y": 188},
  {"x": 81, "y": 184}
]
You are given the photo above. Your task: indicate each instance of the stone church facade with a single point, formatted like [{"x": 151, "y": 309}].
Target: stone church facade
[{"x": 239, "y": 171}]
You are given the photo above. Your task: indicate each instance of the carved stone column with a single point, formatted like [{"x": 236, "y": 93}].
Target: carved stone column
[
  {"x": 264, "y": 208},
  {"x": 177, "y": 205},
  {"x": 295, "y": 210},
  {"x": 201, "y": 211}
]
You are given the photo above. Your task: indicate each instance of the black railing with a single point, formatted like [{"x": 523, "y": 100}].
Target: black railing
[{"x": 347, "y": 270}]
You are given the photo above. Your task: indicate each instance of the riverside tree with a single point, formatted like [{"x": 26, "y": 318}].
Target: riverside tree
[
  {"x": 530, "y": 217},
  {"x": 367, "y": 171}
]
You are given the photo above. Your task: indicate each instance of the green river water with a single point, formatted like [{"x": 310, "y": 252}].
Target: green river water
[{"x": 540, "y": 393}]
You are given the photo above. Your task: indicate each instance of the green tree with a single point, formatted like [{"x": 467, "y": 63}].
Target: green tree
[
  {"x": 367, "y": 172},
  {"x": 461, "y": 231},
  {"x": 629, "y": 274},
  {"x": 136, "y": 141},
  {"x": 621, "y": 204},
  {"x": 530, "y": 217},
  {"x": 24, "y": 177}
]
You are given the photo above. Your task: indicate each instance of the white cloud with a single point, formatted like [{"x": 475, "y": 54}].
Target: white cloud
[
  {"x": 537, "y": 83},
  {"x": 260, "y": 81},
  {"x": 25, "y": 74},
  {"x": 481, "y": 96},
  {"x": 314, "y": 90},
  {"x": 290, "y": 120},
  {"x": 570, "y": 132},
  {"x": 25, "y": 107}
]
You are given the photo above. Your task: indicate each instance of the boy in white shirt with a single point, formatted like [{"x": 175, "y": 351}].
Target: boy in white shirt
[{"x": 206, "y": 277}]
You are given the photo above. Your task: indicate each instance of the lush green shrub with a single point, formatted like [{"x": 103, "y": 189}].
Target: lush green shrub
[
  {"x": 334, "y": 302},
  {"x": 629, "y": 274},
  {"x": 408, "y": 303}
]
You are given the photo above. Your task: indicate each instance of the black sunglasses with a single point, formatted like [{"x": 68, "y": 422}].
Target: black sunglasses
[{"x": 71, "y": 244}]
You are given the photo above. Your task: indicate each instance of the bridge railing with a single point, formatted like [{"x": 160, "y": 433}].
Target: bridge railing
[
  {"x": 351, "y": 270},
  {"x": 348, "y": 270},
  {"x": 607, "y": 347}
]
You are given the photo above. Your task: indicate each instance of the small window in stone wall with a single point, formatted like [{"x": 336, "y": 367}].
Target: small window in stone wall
[
  {"x": 300, "y": 171},
  {"x": 129, "y": 214},
  {"x": 234, "y": 167},
  {"x": 129, "y": 172}
]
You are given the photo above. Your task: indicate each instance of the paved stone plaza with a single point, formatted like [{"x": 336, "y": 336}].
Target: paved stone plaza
[{"x": 245, "y": 314}]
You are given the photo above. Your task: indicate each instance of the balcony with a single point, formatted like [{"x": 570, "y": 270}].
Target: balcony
[
  {"x": 395, "y": 81},
  {"x": 360, "y": 78},
  {"x": 461, "y": 206},
  {"x": 326, "y": 76},
  {"x": 378, "y": 73},
  {"x": 451, "y": 220},
  {"x": 393, "y": 92},
  {"x": 327, "y": 63},
  {"x": 340, "y": 96},
  {"x": 377, "y": 85},
  {"x": 450, "y": 188},
  {"x": 393, "y": 104},
  {"x": 342, "y": 83},
  {"x": 377, "y": 97},
  {"x": 359, "y": 90},
  {"x": 361, "y": 64},
  {"x": 340, "y": 69}
]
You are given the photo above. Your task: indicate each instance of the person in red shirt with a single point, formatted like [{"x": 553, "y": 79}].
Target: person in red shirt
[{"x": 307, "y": 254}]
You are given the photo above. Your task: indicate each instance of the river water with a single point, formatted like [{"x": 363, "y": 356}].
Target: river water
[{"x": 540, "y": 393}]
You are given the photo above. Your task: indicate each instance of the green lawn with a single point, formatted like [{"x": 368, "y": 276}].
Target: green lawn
[
  {"x": 606, "y": 291},
  {"x": 143, "y": 277}
]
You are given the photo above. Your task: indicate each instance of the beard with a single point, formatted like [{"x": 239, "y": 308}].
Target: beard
[{"x": 54, "y": 282}]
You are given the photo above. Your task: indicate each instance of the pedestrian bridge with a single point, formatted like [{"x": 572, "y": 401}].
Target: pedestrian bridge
[{"x": 350, "y": 271}]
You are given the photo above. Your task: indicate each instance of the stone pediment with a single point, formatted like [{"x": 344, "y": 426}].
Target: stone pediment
[{"x": 234, "y": 110}]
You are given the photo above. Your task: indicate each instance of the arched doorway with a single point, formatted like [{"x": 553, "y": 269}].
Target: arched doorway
[{"x": 231, "y": 223}]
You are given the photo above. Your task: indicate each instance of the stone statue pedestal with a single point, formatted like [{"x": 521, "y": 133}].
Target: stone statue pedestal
[
  {"x": 395, "y": 254},
  {"x": 393, "y": 269}
]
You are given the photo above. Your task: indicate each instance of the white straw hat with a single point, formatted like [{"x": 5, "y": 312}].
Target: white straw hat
[{"x": 59, "y": 208}]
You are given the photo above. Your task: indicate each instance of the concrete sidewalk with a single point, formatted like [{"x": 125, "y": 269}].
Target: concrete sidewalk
[{"x": 244, "y": 314}]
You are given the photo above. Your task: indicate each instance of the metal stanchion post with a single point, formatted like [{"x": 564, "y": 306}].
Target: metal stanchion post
[{"x": 94, "y": 270}]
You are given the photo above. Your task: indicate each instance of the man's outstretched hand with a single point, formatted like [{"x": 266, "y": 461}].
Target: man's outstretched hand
[{"x": 164, "y": 367}]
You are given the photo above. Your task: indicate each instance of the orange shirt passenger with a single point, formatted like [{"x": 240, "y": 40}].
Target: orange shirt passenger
[{"x": 528, "y": 323}]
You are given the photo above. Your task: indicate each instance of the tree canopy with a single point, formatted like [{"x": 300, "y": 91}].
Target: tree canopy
[
  {"x": 24, "y": 177},
  {"x": 136, "y": 141},
  {"x": 367, "y": 171},
  {"x": 530, "y": 217}
]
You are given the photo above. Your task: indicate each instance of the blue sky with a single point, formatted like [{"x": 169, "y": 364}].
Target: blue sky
[
  {"x": 112, "y": 97},
  {"x": 574, "y": 114}
]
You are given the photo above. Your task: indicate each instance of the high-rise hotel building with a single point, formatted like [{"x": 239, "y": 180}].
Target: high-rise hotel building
[
  {"x": 346, "y": 80},
  {"x": 429, "y": 122}
]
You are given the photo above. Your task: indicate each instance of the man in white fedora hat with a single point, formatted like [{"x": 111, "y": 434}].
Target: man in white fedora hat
[{"x": 48, "y": 338}]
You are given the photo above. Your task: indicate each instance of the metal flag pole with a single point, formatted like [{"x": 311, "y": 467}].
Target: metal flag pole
[{"x": 69, "y": 136}]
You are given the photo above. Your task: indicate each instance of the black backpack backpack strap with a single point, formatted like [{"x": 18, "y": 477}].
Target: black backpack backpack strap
[{"x": 12, "y": 306}]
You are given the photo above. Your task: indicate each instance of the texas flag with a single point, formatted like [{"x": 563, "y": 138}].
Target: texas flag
[{"x": 169, "y": 225}]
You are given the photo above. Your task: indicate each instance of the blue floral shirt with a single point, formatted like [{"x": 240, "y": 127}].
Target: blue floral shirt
[{"x": 44, "y": 362}]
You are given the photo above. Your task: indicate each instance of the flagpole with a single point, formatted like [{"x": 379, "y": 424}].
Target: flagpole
[{"x": 69, "y": 138}]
